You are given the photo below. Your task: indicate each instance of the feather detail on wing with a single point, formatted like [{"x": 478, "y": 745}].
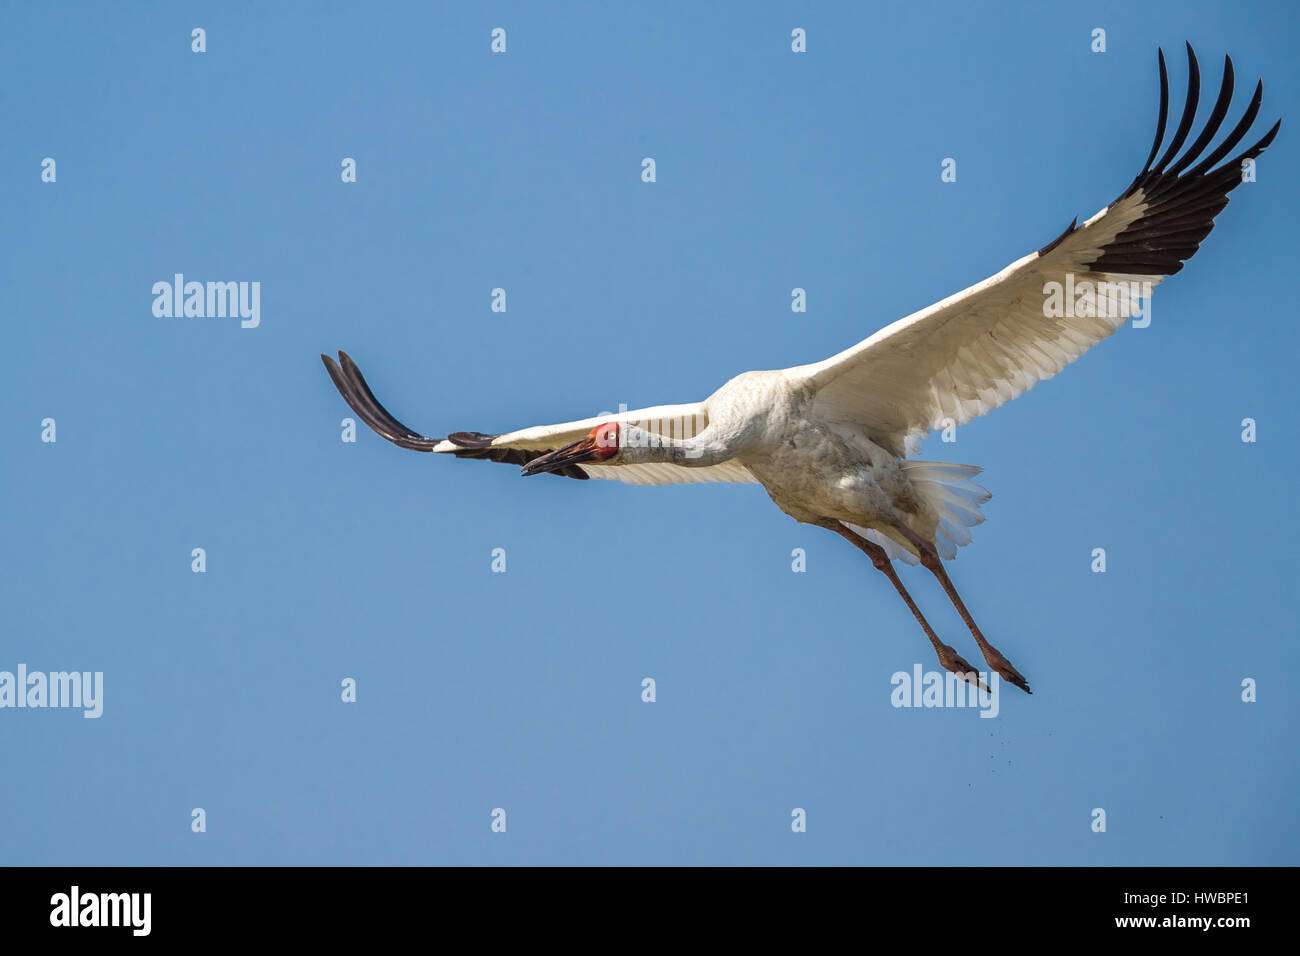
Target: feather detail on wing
[{"x": 982, "y": 347}]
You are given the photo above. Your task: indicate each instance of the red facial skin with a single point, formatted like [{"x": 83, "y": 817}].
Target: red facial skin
[{"x": 606, "y": 438}]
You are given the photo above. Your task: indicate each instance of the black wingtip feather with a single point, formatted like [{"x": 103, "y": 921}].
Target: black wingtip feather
[
  {"x": 1164, "y": 114},
  {"x": 1213, "y": 123},
  {"x": 1179, "y": 207},
  {"x": 1189, "y": 111},
  {"x": 347, "y": 378}
]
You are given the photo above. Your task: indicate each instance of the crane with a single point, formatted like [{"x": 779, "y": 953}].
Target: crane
[{"x": 830, "y": 441}]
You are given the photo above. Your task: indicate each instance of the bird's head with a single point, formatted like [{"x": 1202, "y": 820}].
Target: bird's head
[{"x": 599, "y": 445}]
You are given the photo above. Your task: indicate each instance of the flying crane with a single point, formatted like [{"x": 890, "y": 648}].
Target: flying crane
[{"x": 829, "y": 441}]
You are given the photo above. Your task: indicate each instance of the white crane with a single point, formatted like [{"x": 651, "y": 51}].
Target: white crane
[{"x": 828, "y": 440}]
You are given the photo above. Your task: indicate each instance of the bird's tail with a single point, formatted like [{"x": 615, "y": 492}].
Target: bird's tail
[{"x": 948, "y": 489}]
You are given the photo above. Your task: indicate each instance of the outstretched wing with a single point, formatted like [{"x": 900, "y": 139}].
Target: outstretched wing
[
  {"x": 988, "y": 344},
  {"x": 521, "y": 447}
]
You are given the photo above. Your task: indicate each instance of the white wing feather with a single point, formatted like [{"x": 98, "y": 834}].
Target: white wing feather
[
  {"x": 978, "y": 349},
  {"x": 994, "y": 341}
]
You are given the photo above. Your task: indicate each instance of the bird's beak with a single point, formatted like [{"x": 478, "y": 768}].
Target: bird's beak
[{"x": 584, "y": 449}]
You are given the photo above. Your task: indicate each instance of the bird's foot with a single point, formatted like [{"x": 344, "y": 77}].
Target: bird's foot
[
  {"x": 952, "y": 661},
  {"x": 1004, "y": 669}
]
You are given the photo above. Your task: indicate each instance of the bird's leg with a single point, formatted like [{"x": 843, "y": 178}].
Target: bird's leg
[
  {"x": 948, "y": 657},
  {"x": 930, "y": 558}
]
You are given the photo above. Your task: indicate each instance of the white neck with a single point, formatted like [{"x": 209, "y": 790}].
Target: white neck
[{"x": 638, "y": 446}]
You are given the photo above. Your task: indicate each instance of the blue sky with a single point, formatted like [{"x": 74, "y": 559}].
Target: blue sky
[{"x": 522, "y": 690}]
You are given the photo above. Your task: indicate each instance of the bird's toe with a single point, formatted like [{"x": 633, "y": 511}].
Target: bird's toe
[{"x": 954, "y": 662}]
